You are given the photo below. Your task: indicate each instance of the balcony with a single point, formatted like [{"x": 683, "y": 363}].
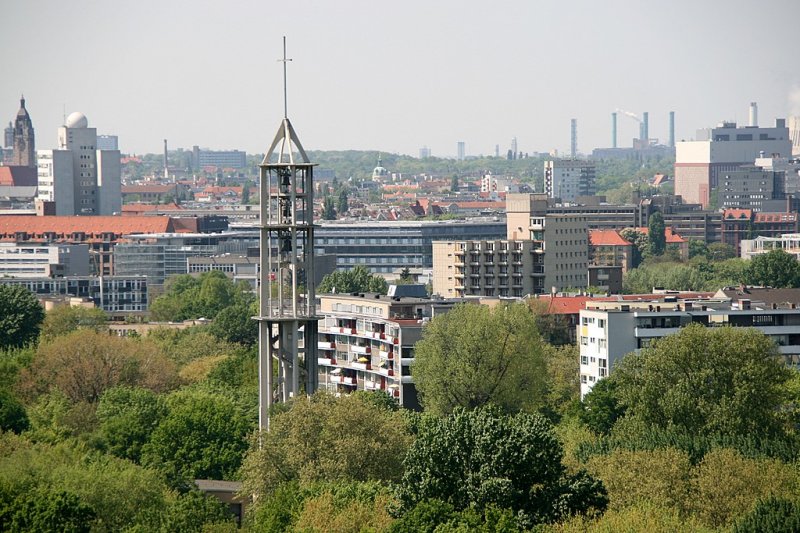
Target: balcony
[
  {"x": 375, "y": 335},
  {"x": 361, "y": 349},
  {"x": 326, "y": 361},
  {"x": 326, "y": 345},
  {"x": 346, "y": 331},
  {"x": 386, "y": 355},
  {"x": 372, "y": 385},
  {"x": 362, "y": 364}
]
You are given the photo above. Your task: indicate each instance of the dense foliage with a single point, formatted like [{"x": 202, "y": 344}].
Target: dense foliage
[
  {"x": 357, "y": 279},
  {"x": 21, "y": 316}
]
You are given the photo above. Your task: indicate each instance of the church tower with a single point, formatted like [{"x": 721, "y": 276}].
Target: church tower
[{"x": 24, "y": 145}]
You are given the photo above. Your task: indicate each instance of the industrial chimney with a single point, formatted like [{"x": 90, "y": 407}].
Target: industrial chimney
[
  {"x": 672, "y": 129},
  {"x": 645, "y": 129},
  {"x": 573, "y": 147},
  {"x": 753, "y": 115},
  {"x": 166, "y": 167},
  {"x": 613, "y": 130}
]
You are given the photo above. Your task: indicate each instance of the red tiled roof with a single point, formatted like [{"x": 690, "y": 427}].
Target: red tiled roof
[
  {"x": 67, "y": 225},
  {"x": 606, "y": 237},
  {"x": 737, "y": 213},
  {"x": 565, "y": 305},
  {"x": 18, "y": 176},
  {"x": 775, "y": 217},
  {"x": 148, "y": 189},
  {"x": 672, "y": 238}
]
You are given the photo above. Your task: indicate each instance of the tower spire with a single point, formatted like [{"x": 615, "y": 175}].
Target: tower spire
[{"x": 285, "y": 98}]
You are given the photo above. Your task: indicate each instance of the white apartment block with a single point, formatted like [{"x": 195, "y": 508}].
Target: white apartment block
[
  {"x": 569, "y": 178},
  {"x": 788, "y": 242},
  {"x": 609, "y": 330},
  {"x": 77, "y": 177}
]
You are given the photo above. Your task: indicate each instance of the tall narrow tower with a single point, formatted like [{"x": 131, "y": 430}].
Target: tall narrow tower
[
  {"x": 287, "y": 309},
  {"x": 573, "y": 145},
  {"x": 613, "y": 130},
  {"x": 24, "y": 142},
  {"x": 672, "y": 129}
]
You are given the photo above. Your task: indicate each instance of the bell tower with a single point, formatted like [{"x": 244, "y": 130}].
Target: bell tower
[
  {"x": 24, "y": 142},
  {"x": 287, "y": 318}
]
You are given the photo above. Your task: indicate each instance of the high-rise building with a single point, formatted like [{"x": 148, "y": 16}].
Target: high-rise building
[
  {"x": 461, "y": 150},
  {"x": 424, "y": 152},
  {"x": 217, "y": 158},
  {"x": 77, "y": 177},
  {"x": 8, "y": 139},
  {"x": 569, "y": 178},
  {"x": 794, "y": 133},
  {"x": 24, "y": 142},
  {"x": 699, "y": 163},
  {"x": 107, "y": 142},
  {"x": 541, "y": 252}
]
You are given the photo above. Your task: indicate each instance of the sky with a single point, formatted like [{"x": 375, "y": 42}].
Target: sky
[{"x": 396, "y": 76}]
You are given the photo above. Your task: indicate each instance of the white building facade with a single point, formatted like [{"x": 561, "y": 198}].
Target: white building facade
[
  {"x": 78, "y": 177},
  {"x": 569, "y": 178}
]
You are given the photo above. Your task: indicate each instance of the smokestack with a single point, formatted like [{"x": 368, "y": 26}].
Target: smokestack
[
  {"x": 645, "y": 129},
  {"x": 753, "y": 114},
  {"x": 573, "y": 147},
  {"x": 166, "y": 168},
  {"x": 672, "y": 129},
  {"x": 613, "y": 130}
]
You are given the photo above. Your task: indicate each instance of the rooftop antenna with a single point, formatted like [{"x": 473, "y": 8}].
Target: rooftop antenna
[{"x": 284, "y": 61}]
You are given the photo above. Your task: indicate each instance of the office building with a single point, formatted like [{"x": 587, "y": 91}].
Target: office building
[
  {"x": 385, "y": 246},
  {"x": 700, "y": 163},
  {"x": 793, "y": 123},
  {"x": 461, "y": 150},
  {"x": 541, "y": 252},
  {"x": 116, "y": 295},
  {"x": 43, "y": 260},
  {"x": 751, "y": 187},
  {"x": 77, "y": 177},
  {"x": 202, "y": 158},
  {"x": 568, "y": 179},
  {"x": 107, "y": 142}
]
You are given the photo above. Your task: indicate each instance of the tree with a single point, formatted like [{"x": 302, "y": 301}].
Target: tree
[
  {"x": 203, "y": 435},
  {"x": 235, "y": 324},
  {"x": 359, "y": 279},
  {"x": 188, "y": 297},
  {"x": 483, "y": 458},
  {"x": 328, "y": 210},
  {"x": 246, "y": 192},
  {"x": 725, "y": 381},
  {"x": 656, "y": 233},
  {"x": 454, "y": 183},
  {"x": 20, "y": 316},
  {"x": 66, "y": 319},
  {"x": 698, "y": 248},
  {"x": 601, "y": 408},
  {"x": 405, "y": 275},
  {"x": 491, "y": 356},
  {"x": 640, "y": 242},
  {"x": 127, "y": 418},
  {"x": 718, "y": 251},
  {"x": 44, "y": 511},
  {"x": 775, "y": 268},
  {"x": 12, "y": 414},
  {"x": 328, "y": 439},
  {"x": 342, "y": 203},
  {"x": 84, "y": 364},
  {"x": 771, "y": 515}
]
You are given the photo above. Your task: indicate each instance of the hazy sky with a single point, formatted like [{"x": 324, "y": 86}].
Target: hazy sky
[{"x": 394, "y": 76}]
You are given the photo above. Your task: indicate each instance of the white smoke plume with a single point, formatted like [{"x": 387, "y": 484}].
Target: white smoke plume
[{"x": 634, "y": 116}]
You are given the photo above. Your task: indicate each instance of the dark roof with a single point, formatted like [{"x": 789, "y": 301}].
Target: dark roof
[{"x": 766, "y": 295}]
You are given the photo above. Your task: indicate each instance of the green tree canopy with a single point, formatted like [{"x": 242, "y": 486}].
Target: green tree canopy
[
  {"x": 328, "y": 209},
  {"x": 20, "y": 316},
  {"x": 491, "y": 356},
  {"x": 726, "y": 381},
  {"x": 66, "y": 319},
  {"x": 127, "y": 418},
  {"x": 483, "y": 458},
  {"x": 235, "y": 324},
  {"x": 84, "y": 364},
  {"x": 12, "y": 414},
  {"x": 775, "y": 268},
  {"x": 324, "y": 438},
  {"x": 188, "y": 297},
  {"x": 358, "y": 279},
  {"x": 657, "y": 237},
  {"x": 203, "y": 435}
]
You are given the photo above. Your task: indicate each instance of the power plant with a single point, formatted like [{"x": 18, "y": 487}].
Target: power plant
[{"x": 642, "y": 145}]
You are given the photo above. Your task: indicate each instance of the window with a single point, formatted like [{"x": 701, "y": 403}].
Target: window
[{"x": 584, "y": 341}]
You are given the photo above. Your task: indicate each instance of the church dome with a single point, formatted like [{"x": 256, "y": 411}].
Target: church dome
[{"x": 77, "y": 120}]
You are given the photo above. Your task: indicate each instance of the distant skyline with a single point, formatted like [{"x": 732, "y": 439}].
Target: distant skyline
[{"x": 395, "y": 77}]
